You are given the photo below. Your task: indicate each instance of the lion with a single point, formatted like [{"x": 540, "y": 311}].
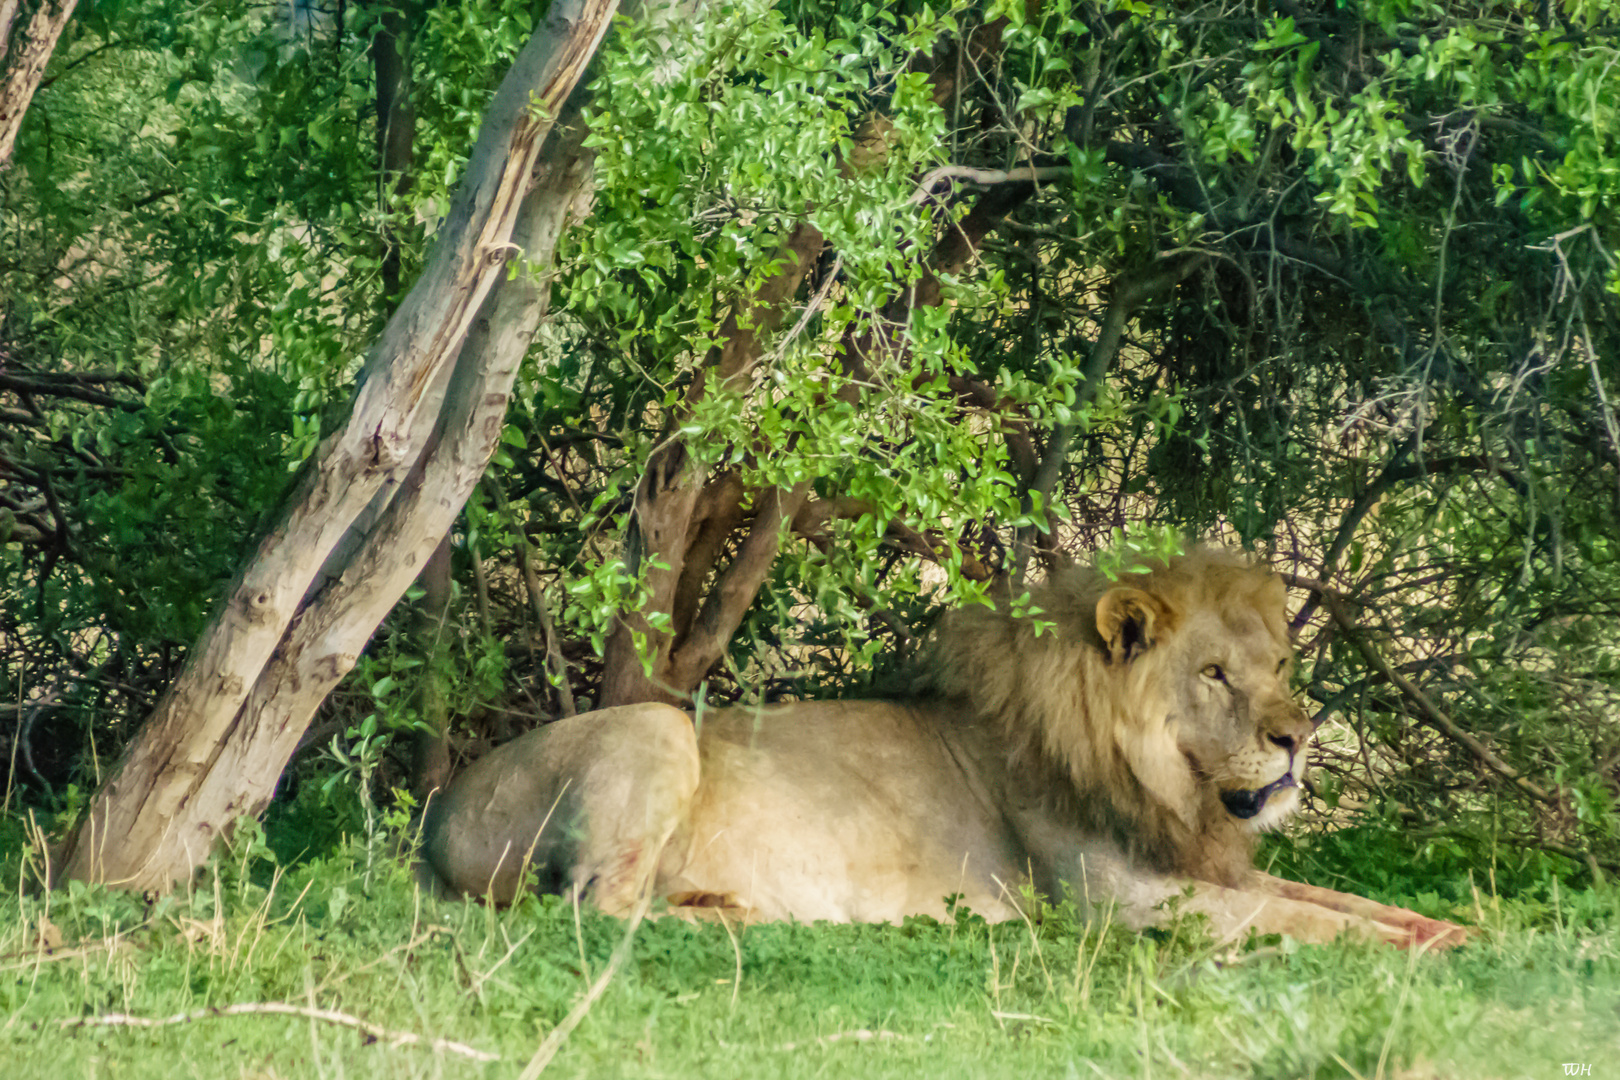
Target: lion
[{"x": 1121, "y": 743}]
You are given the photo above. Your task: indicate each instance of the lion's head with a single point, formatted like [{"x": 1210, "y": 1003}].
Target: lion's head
[{"x": 1157, "y": 706}]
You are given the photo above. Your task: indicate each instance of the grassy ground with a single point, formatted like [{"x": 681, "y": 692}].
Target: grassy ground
[{"x": 275, "y": 968}]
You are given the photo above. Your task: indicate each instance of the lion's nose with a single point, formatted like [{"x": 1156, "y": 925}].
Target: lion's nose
[{"x": 1287, "y": 742}]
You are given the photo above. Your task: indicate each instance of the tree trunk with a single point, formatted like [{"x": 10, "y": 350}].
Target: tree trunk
[
  {"x": 426, "y": 416},
  {"x": 430, "y": 764},
  {"x": 396, "y": 128},
  {"x": 396, "y": 135},
  {"x": 25, "y": 69}
]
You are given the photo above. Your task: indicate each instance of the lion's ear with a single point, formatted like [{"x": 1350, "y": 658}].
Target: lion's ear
[{"x": 1132, "y": 621}]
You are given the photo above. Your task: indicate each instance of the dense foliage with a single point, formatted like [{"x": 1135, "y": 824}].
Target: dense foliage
[{"x": 948, "y": 289}]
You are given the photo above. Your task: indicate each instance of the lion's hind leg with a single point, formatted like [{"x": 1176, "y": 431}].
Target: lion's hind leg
[
  {"x": 587, "y": 803},
  {"x": 710, "y": 907}
]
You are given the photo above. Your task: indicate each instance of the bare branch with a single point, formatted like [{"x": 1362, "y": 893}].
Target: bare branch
[
  {"x": 1399, "y": 469},
  {"x": 555, "y": 663},
  {"x": 1131, "y": 291},
  {"x": 987, "y": 177},
  {"x": 1436, "y": 717}
]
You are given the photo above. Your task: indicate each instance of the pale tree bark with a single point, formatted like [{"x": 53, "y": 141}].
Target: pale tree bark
[
  {"x": 375, "y": 501},
  {"x": 396, "y": 136},
  {"x": 24, "y": 60}
]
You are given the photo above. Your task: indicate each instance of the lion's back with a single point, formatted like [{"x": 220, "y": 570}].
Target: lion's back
[{"x": 845, "y": 811}]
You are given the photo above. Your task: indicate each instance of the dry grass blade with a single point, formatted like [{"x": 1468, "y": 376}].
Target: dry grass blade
[
  {"x": 621, "y": 952},
  {"x": 282, "y": 1008}
]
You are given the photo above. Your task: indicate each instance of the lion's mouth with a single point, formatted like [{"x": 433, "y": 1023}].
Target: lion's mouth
[{"x": 1246, "y": 804}]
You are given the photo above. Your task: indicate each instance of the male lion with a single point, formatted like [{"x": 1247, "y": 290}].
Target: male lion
[{"x": 1127, "y": 752}]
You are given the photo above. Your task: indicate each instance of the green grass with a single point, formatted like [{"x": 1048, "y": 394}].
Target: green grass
[{"x": 1538, "y": 987}]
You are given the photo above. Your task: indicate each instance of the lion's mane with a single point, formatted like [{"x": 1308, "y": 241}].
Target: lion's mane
[{"x": 1083, "y": 717}]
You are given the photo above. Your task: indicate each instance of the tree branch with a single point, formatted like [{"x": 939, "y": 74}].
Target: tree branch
[
  {"x": 986, "y": 177},
  {"x": 1131, "y": 291},
  {"x": 66, "y": 389},
  {"x": 813, "y": 517},
  {"x": 1436, "y": 717},
  {"x": 282, "y": 1008},
  {"x": 1397, "y": 470},
  {"x": 718, "y": 513}
]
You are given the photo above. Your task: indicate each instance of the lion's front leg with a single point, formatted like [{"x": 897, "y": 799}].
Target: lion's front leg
[
  {"x": 1096, "y": 874},
  {"x": 588, "y": 803},
  {"x": 1271, "y": 905},
  {"x": 1398, "y": 926}
]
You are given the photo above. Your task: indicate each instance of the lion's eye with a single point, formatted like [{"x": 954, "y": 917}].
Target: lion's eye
[
  {"x": 1282, "y": 664},
  {"x": 1213, "y": 671}
]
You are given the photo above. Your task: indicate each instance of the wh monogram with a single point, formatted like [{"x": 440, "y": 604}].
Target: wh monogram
[{"x": 1572, "y": 1068}]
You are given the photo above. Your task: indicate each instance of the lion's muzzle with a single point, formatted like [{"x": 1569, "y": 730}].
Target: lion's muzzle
[{"x": 1246, "y": 804}]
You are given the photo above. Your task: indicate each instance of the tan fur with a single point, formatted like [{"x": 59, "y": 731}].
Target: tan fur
[{"x": 1126, "y": 754}]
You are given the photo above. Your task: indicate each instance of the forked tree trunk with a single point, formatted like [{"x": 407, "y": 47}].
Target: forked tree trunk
[
  {"x": 680, "y": 529},
  {"x": 371, "y": 507}
]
